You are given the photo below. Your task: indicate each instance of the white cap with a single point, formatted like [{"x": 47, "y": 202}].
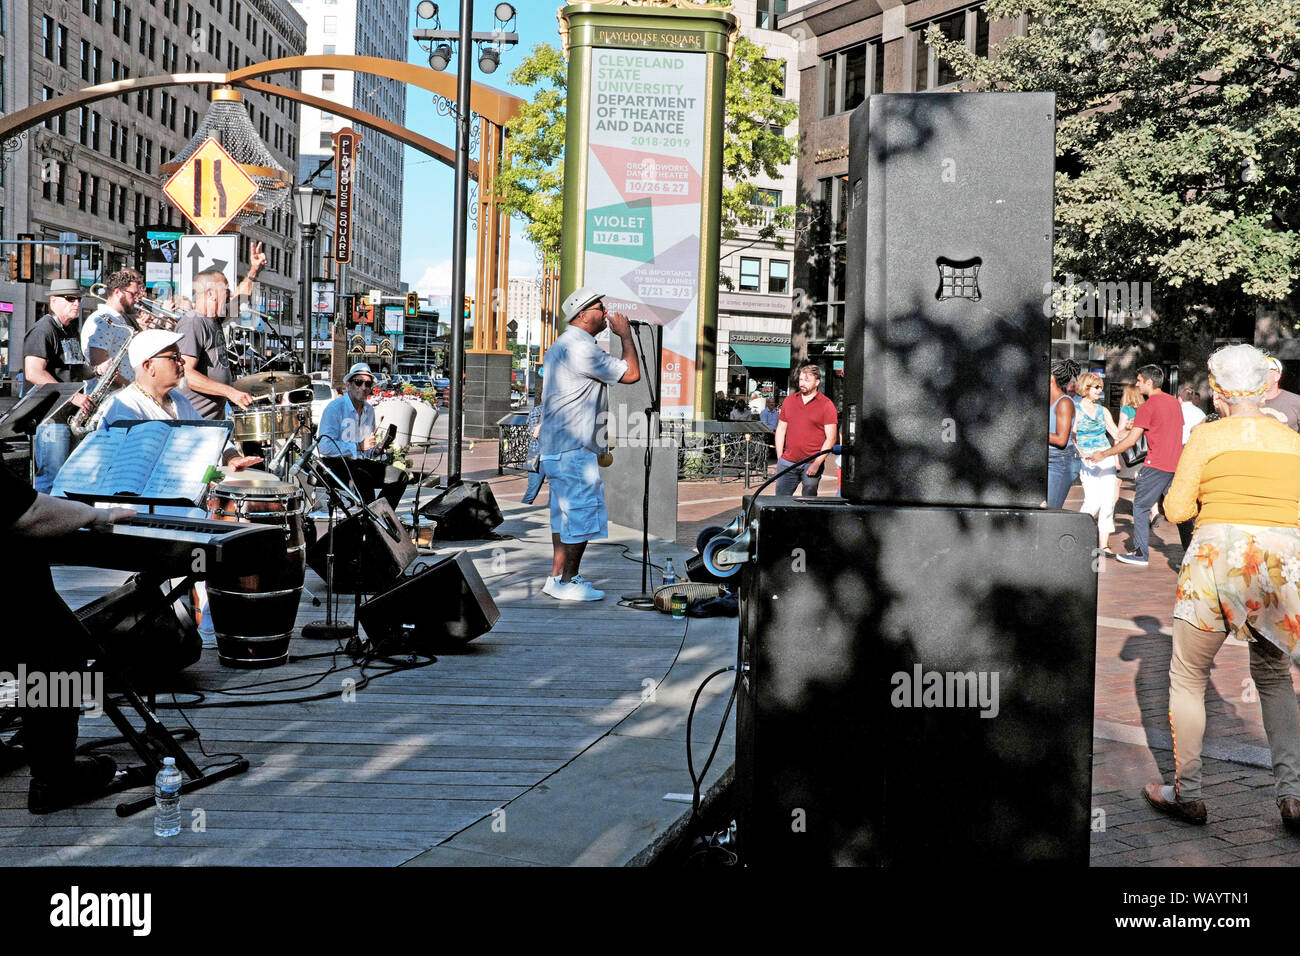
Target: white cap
[
  {"x": 577, "y": 300},
  {"x": 149, "y": 343},
  {"x": 361, "y": 368}
]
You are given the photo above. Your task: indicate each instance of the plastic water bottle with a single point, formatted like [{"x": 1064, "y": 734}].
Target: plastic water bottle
[
  {"x": 670, "y": 576},
  {"x": 167, "y": 800}
]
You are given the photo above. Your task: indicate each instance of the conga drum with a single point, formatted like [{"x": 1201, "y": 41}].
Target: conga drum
[{"x": 253, "y": 610}]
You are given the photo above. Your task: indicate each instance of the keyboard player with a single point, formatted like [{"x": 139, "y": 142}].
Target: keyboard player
[
  {"x": 154, "y": 395},
  {"x": 29, "y": 523}
]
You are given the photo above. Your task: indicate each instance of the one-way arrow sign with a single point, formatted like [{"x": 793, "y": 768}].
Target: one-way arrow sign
[{"x": 201, "y": 253}]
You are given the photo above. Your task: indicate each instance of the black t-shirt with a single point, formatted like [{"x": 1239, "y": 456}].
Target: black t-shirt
[
  {"x": 60, "y": 346},
  {"x": 202, "y": 338}
]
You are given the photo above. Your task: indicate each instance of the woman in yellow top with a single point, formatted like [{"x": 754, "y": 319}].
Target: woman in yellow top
[{"x": 1240, "y": 576}]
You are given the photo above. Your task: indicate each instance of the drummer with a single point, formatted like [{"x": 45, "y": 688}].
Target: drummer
[{"x": 207, "y": 371}]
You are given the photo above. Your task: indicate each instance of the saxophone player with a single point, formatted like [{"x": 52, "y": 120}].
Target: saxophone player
[
  {"x": 111, "y": 325},
  {"x": 52, "y": 353}
]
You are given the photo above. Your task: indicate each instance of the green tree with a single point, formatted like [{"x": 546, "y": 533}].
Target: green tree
[
  {"x": 1177, "y": 145},
  {"x": 532, "y": 178}
]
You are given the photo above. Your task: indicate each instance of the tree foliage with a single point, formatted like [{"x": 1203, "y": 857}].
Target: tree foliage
[
  {"x": 532, "y": 178},
  {"x": 1176, "y": 143}
]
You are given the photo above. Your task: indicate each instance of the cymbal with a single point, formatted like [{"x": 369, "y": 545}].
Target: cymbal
[{"x": 264, "y": 383}]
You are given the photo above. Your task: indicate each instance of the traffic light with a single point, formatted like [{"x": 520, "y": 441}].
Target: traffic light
[
  {"x": 469, "y": 305},
  {"x": 412, "y": 305}
]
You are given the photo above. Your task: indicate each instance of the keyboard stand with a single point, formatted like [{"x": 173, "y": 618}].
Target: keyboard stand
[{"x": 155, "y": 741}]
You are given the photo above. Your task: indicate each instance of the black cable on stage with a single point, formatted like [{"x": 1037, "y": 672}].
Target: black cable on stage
[{"x": 690, "y": 716}]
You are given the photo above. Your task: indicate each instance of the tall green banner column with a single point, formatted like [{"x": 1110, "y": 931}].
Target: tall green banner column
[{"x": 643, "y": 174}]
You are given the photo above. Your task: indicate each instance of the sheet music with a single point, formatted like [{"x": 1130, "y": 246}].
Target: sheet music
[
  {"x": 153, "y": 460},
  {"x": 178, "y": 471},
  {"x": 85, "y": 468},
  {"x": 137, "y": 456}
]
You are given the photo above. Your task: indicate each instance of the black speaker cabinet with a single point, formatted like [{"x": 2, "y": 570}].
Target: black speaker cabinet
[
  {"x": 949, "y": 264},
  {"x": 444, "y": 603},
  {"x": 387, "y": 550},
  {"x": 464, "y": 512},
  {"x": 917, "y": 686}
]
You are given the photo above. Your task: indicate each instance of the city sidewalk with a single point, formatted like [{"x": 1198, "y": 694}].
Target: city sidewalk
[{"x": 1132, "y": 740}]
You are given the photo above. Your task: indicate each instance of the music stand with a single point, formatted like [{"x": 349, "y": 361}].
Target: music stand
[{"x": 35, "y": 407}]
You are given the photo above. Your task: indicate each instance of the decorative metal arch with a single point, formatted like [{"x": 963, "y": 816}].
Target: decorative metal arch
[{"x": 494, "y": 107}]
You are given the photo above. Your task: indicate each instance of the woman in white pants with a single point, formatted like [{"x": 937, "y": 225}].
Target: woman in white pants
[{"x": 1100, "y": 482}]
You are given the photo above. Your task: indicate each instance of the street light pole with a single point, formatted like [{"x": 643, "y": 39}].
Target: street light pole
[
  {"x": 308, "y": 255},
  {"x": 460, "y": 211}
]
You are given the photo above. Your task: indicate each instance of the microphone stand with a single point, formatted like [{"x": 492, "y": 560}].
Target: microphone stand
[
  {"x": 328, "y": 629},
  {"x": 645, "y": 601}
]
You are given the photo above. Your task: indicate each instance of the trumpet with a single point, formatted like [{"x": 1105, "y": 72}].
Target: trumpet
[{"x": 158, "y": 316}]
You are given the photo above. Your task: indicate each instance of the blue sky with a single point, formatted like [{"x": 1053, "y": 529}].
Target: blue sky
[{"x": 427, "y": 199}]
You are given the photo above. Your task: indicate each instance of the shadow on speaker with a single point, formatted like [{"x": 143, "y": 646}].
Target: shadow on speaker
[
  {"x": 367, "y": 558},
  {"x": 438, "y": 606}
]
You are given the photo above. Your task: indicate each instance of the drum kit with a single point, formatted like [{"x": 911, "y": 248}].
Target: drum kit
[{"x": 280, "y": 412}]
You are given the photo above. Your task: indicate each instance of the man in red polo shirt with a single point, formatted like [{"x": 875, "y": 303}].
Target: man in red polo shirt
[
  {"x": 806, "y": 425},
  {"x": 1160, "y": 418}
]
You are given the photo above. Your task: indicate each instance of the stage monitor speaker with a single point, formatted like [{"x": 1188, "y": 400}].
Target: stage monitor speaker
[
  {"x": 387, "y": 551},
  {"x": 466, "y": 511},
  {"x": 949, "y": 267},
  {"x": 917, "y": 686},
  {"x": 443, "y": 603}
]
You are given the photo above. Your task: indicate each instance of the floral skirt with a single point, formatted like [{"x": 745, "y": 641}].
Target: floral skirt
[{"x": 1234, "y": 575}]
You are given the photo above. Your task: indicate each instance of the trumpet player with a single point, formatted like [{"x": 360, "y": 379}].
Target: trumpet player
[{"x": 111, "y": 325}]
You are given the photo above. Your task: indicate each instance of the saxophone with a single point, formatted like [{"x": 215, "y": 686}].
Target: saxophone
[{"x": 87, "y": 419}]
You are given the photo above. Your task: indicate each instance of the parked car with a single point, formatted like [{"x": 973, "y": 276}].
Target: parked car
[{"x": 321, "y": 395}]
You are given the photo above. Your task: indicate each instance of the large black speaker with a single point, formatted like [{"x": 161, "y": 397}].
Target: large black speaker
[
  {"x": 949, "y": 264},
  {"x": 464, "y": 511},
  {"x": 386, "y": 553},
  {"x": 917, "y": 686},
  {"x": 445, "y": 602}
]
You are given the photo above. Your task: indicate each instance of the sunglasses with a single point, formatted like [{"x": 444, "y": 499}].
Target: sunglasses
[
  {"x": 364, "y": 382},
  {"x": 171, "y": 357}
]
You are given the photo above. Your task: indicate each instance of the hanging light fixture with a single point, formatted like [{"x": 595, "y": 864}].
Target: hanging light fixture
[{"x": 227, "y": 122}]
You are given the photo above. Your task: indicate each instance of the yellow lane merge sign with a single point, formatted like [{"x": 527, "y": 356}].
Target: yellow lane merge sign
[{"x": 211, "y": 188}]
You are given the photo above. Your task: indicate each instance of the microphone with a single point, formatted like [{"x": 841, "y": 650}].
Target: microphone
[
  {"x": 639, "y": 322},
  {"x": 297, "y": 465}
]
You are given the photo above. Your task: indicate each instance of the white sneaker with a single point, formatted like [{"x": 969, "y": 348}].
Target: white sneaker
[
  {"x": 549, "y": 586},
  {"x": 577, "y": 589}
]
